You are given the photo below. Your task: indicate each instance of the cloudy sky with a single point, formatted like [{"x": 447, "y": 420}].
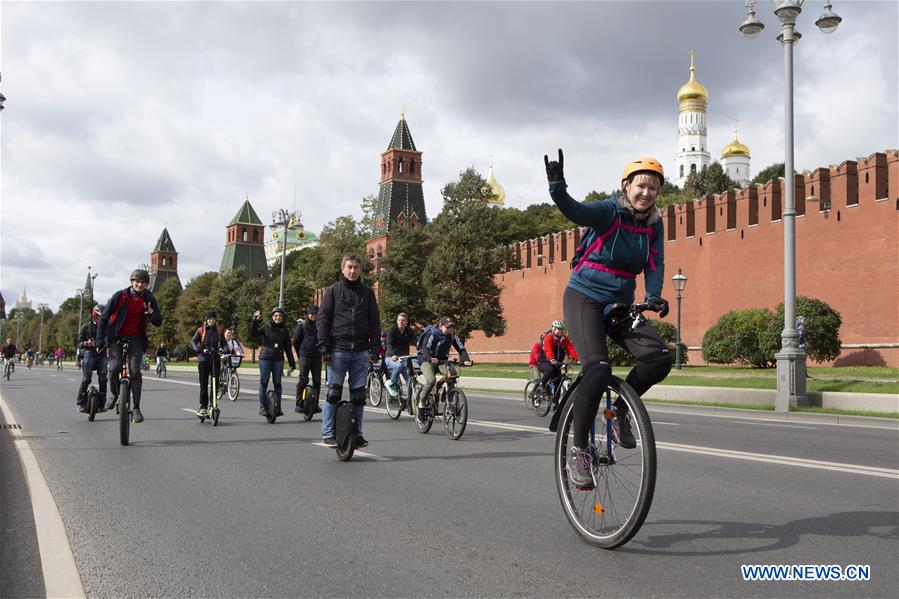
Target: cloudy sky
[{"x": 124, "y": 117}]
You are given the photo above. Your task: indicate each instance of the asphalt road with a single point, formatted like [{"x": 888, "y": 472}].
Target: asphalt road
[{"x": 260, "y": 510}]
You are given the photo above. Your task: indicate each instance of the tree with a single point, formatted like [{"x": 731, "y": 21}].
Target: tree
[
  {"x": 822, "y": 328},
  {"x": 597, "y": 196},
  {"x": 224, "y": 293},
  {"x": 297, "y": 295},
  {"x": 193, "y": 303},
  {"x": 369, "y": 207},
  {"x": 768, "y": 173},
  {"x": 459, "y": 272},
  {"x": 401, "y": 284},
  {"x": 167, "y": 300},
  {"x": 339, "y": 237},
  {"x": 709, "y": 180}
]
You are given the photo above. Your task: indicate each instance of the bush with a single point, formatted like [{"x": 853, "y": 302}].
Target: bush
[
  {"x": 742, "y": 337},
  {"x": 822, "y": 328},
  {"x": 668, "y": 332}
]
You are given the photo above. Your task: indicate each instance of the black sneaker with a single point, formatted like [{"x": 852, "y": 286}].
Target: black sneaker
[
  {"x": 329, "y": 441},
  {"x": 136, "y": 416},
  {"x": 111, "y": 404},
  {"x": 101, "y": 405},
  {"x": 361, "y": 442},
  {"x": 299, "y": 408},
  {"x": 625, "y": 434},
  {"x": 263, "y": 412}
]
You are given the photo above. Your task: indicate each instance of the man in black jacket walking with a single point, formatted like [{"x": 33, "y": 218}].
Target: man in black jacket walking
[
  {"x": 305, "y": 342},
  {"x": 349, "y": 336}
]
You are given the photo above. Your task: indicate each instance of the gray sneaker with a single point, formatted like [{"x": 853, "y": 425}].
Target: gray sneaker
[
  {"x": 624, "y": 436},
  {"x": 136, "y": 416},
  {"x": 201, "y": 413},
  {"x": 580, "y": 466}
]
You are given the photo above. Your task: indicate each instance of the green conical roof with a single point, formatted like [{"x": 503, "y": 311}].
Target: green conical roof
[
  {"x": 164, "y": 243},
  {"x": 402, "y": 138},
  {"x": 246, "y": 215}
]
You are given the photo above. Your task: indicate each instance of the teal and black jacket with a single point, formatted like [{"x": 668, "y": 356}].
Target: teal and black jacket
[{"x": 615, "y": 249}]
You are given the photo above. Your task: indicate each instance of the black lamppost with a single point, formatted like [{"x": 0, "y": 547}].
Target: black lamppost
[
  {"x": 680, "y": 283},
  {"x": 791, "y": 359},
  {"x": 40, "y": 341},
  {"x": 289, "y": 221}
]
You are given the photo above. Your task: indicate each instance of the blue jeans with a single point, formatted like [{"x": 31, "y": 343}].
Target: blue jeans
[
  {"x": 269, "y": 369},
  {"x": 342, "y": 363},
  {"x": 397, "y": 367}
]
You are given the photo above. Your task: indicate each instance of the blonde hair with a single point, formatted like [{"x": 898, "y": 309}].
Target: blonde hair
[{"x": 643, "y": 177}]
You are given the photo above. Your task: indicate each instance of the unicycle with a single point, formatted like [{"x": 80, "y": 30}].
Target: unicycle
[
  {"x": 93, "y": 402},
  {"x": 123, "y": 405},
  {"x": 273, "y": 406},
  {"x": 309, "y": 402},
  {"x": 345, "y": 429}
]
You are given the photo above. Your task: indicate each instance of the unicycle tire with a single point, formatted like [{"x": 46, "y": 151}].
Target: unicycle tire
[
  {"x": 215, "y": 416},
  {"x": 345, "y": 431},
  {"x": 310, "y": 402},
  {"x": 93, "y": 403},
  {"x": 124, "y": 404},
  {"x": 611, "y": 513},
  {"x": 271, "y": 404}
]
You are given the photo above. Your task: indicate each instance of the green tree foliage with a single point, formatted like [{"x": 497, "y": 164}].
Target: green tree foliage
[
  {"x": 248, "y": 299},
  {"x": 459, "y": 272},
  {"x": 339, "y": 237},
  {"x": 401, "y": 283},
  {"x": 167, "y": 299},
  {"x": 709, "y": 180},
  {"x": 297, "y": 295},
  {"x": 768, "y": 173},
  {"x": 822, "y": 328},
  {"x": 369, "y": 207},
  {"x": 741, "y": 337},
  {"x": 224, "y": 294},
  {"x": 195, "y": 300},
  {"x": 597, "y": 196}
]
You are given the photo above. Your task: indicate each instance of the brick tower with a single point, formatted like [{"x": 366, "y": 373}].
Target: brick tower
[
  {"x": 400, "y": 199},
  {"x": 245, "y": 243},
  {"x": 163, "y": 262}
]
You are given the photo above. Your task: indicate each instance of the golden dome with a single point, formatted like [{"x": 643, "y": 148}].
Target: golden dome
[
  {"x": 499, "y": 194},
  {"x": 692, "y": 92},
  {"x": 735, "y": 148}
]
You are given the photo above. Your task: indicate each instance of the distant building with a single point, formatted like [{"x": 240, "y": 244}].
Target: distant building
[
  {"x": 23, "y": 303},
  {"x": 163, "y": 262},
  {"x": 296, "y": 240},
  {"x": 245, "y": 243}
]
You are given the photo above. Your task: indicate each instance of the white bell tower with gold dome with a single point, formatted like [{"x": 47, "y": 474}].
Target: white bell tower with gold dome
[
  {"x": 735, "y": 160},
  {"x": 692, "y": 144}
]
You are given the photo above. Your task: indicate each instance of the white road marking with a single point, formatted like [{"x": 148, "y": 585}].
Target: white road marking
[
  {"x": 61, "y": 577},
  {"x": 655, "y": 422},
  {"x": 778, "y": 424}
]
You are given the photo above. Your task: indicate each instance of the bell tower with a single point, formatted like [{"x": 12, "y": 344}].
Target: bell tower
[
  {"x": 163, "y": 262},
  {"x": 400, "y": 198}
]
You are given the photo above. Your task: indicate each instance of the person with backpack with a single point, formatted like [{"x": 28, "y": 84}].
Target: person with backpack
[
  {"x": 399, "y": 339},
  {"x": 275, "y": 345},
  {"x": 91, "y": 360},
  {"x": 305, "y": 342},
  {"x": 625, "y": 238},
  {"x": 553, "y": 349},
  {"x": 433, "y": 347},
  {"x": 127, "y": 315},
  {"x": 208, "y": 343}
]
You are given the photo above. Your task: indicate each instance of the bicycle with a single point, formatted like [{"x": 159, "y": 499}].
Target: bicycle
[
  {"x": 375, "y": 386},
  {"x": 229, "y": 380},
  {"x": 396, "y": 405},
  {"x": 145, "y": 363},
  {"x": 543, "y": 399},
  {"x": 452, "y": 399},
  {"x": 611, "y": 513},
  {"x": 123, "y": 403},
  {"x": 161, "y": 370}
]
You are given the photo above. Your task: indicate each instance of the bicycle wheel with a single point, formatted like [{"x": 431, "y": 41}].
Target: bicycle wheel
[
  {"x": 424, "y": 417},
  {"x": 345, "y": 425},
  {"x": 394, "y": 405},
  {"x": 412, "y": 398},
  {"x": 455, "y": 413},
  {"x": 611, "y": 513},
  {"x": 375, "y": 389},
  {"x": 124, "y": 411},
  {"x": 542, "y": 401},
  {"x": 271, "y": 401},
  {"x": 233, "y": 386},
  {"x": 220, "y": 387},
  {"x": 529, "y": 392}
]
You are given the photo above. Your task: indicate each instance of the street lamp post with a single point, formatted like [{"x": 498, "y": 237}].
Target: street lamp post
[
  {"x": 791, "y": 368},
  {"x": 80, "y": 293},
  {"x": 289, "y": 221},
  {"x": 680, "y": 283},
  {"x": 40, "y": 340}
]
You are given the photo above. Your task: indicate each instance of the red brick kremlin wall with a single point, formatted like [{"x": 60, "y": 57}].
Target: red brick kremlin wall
[{"x": 730, "y": 246}]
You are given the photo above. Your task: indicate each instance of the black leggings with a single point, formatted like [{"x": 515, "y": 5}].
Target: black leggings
[{"x": 587, "y": 328}]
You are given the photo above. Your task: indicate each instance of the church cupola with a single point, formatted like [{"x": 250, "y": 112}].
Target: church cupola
[{"x": 692, "y": 136}]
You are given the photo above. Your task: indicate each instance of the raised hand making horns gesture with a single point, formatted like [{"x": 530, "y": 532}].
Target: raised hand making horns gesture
[{"x": 554, "y": 169}]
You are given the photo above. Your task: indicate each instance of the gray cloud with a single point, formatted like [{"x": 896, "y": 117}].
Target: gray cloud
[{"x": 124, "y": 117}]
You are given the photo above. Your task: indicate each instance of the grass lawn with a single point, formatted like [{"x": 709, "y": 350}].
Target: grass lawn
[{"x": 857, "y": 379}]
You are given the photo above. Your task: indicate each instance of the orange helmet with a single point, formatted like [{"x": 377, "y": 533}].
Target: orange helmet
[{"x": 643, "y": 164}]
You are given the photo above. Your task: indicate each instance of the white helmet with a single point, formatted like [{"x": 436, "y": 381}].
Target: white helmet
[{"x": 558, "y": 324}]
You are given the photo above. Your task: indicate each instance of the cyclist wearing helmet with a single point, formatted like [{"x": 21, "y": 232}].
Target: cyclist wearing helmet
[
  {"x": 552, "y": 354},
  {"x": 275, "y": 344},
  {"x": 91, "y": 360},
  {"x": 126, "y": 317},
  {"x": 625, "y": 237}
]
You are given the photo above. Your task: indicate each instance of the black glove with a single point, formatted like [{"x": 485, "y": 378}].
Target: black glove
[
  {"x": 554, "y": 362},
  {"x": 554, "y": 169},
  {"x": 657, "y": 304}
]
